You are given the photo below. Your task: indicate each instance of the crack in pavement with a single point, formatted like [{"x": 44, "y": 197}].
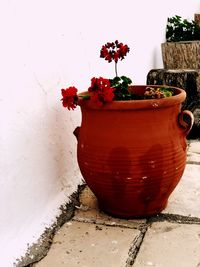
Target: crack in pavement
[{"x": 135, "y": 247}]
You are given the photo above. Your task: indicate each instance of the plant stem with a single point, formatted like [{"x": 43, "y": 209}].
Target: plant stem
[{"x": 116, "y": 69}]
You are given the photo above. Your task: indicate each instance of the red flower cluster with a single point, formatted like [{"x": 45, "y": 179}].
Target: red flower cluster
[
  {"x": 70, "y": 97},
  {"x": 114, "y": 51},
  {"x": 101, "y": 91}
]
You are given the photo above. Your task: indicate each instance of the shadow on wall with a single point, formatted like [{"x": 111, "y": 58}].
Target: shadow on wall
[{"x": 154, "y": 58}]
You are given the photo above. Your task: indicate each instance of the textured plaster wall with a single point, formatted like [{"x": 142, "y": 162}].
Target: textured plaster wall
[{"x": 45, "y": 46}]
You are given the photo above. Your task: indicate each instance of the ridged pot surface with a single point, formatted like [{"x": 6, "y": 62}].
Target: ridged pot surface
[{"x": 132, "y": 154}]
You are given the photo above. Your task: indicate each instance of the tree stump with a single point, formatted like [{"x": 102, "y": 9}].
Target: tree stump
[{"x": 181, "y": 55}]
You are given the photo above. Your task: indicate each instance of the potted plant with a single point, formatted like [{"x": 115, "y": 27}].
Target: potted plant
[
  {"x": 182, "y": 47},
  {"x": 132, "y": 140}
]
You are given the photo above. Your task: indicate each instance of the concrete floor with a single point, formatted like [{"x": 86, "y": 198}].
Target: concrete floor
[{"x": 171, "y": 239}]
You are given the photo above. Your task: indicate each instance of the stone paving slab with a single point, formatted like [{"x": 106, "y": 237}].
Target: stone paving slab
[
  {"x": 89, "y": 212},
  {"x": 185, "y": 199},
  {"x": 89, "y": 245},
  {"x": 170, "y": 245}
]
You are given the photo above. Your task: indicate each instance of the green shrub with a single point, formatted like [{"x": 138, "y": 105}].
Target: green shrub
[{"x": 179, "y": 29}]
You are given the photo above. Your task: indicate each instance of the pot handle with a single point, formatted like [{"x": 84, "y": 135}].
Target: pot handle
[
  {"x": 76, "y": 132},
  {"x": 186, "y": 120}
]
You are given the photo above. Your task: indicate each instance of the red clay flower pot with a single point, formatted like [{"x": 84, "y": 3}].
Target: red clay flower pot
[{"x": 132, "y": 154}]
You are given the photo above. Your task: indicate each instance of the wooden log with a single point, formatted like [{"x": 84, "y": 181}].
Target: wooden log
[{"x": 181, "y": 55}]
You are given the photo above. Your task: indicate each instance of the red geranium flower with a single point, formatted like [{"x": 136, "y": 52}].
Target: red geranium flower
[
  {"x": 114, "y": 51},
  {"x": 70, "y": 97},
  {"x": 101, "y": 90}
]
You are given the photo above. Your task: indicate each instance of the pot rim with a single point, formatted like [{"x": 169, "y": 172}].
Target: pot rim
[{"x": 176, "y": 99}]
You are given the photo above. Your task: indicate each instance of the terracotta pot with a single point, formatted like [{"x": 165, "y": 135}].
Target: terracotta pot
[{"x": 132, "y": 154}]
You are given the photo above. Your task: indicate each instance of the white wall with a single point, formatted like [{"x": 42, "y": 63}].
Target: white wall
[{"x": 47, "y": 45}]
